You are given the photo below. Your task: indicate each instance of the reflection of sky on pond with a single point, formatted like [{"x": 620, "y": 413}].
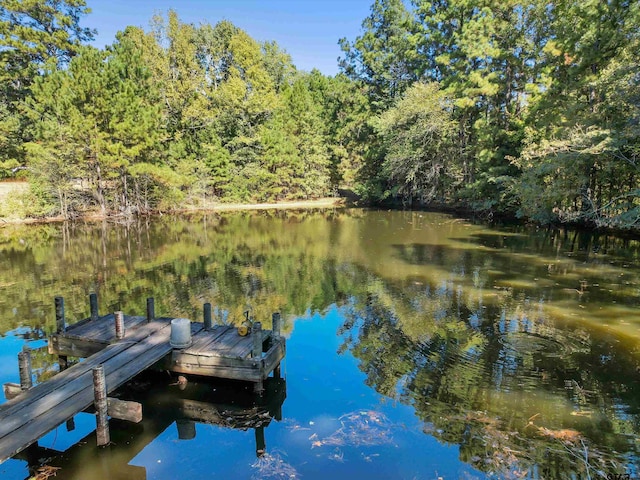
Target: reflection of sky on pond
[{"x": 318, "y": 394}]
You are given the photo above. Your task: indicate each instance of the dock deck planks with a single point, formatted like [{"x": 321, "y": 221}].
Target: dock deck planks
[
  {"x": 217, "y": 352},
  {"x": 47, "y": 405}
]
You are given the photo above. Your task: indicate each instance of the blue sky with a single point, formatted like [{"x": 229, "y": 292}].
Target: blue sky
[{"x": 308, "y": 29}]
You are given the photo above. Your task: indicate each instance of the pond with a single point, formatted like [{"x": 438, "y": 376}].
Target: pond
[{"x": 419, "y": 345}]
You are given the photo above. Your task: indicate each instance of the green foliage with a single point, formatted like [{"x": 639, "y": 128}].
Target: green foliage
[
  {"x": 384, "y": 57},
  {"x": 33, "y": 32},
  {"x": 543, "y": 96},
  {"x": 417, "y": 135},
  {"x": 582, "y": 144},
  {"x": 540, "y": 117}
]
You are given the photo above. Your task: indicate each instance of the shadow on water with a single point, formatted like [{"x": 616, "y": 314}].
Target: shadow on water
[{"x": 166, "y": 404}]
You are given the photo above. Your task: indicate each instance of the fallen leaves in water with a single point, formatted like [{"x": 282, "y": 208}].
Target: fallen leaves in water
[
  {"x": 564, "y": 434},
  {"x": 295, "y": 426},
  {"x": 582, "y": 413},
  {"x": 46, "y": 471},
  {"x": 272, "y": 466},
  {"x": 361, "y": 428}
]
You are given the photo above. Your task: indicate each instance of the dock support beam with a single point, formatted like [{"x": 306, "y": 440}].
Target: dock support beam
[
  {"x": 100, "y": 402},
  {"x": 256, "y": 333},
  {"x": 120, "y": 331},
  {"x": 151, "y": 309},
  {"x": 208, "y": 322},
  {"x": 261, "y": 446},
  {"x": 93, "y": 305},
  {"x": 276, "y": 325},
  {"x": 60, "y": 321},
  {"x": 61, "y": 326},
  {"x": 256, "y": 354},
  {"x": 276, "y": 322},
  {"x": 24, "y": 365}
]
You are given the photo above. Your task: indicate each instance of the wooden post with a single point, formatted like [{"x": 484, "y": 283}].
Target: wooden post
[
  {"x": 275, "y": 319},
  {"x": 61, "y": 326},
  {"x": 256, "y": 333},
  {"x": 24, "y": 365},
  {"x": 277, "y": 372},
  {"x": 120, "y": 331},
  {"x": 100, "y": 403},
  {"x": 11, "y": 390},
  {"x": 151, "y": 309},
  {"x": 60, "y": 321},
  {"x": 124, "y": 410},
  {"x": 63, "y": 362},
  {"x": 261, "y": 446},
  {"x": 208, "y": 322},
  {"x": 93, "y": 305},
  {"x": 186, "y": 429}
]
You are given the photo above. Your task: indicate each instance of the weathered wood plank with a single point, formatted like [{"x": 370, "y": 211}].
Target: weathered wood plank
[
  {"x": 222, "y": 348},
  {"x": 52, "y": 398},
  {"x": 204, "y": 339},
  {"x": 234, "y": 373},
  {"x": 58, "y": 381},
  {"x": 230, "y": 337},
  {"x": 106, "y": 330},
  {"x": 75, "y": 345},
  {"x": 60, "y": 344},
  {"x": 12, "y": 390},
  {"x": 193, "y": 359},
  {"x": 243, "y": 350},
  {"x": 103, "y": 329},
  {"x": 85, "y": 328},
  {"x": 274, "y": 356},
  {"x": 224, "y": 343},
  {"x": 124, "y": 410},
  {"x": 49, "y": 411}
]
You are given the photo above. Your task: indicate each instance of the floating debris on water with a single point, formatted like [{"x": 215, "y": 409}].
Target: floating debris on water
[
  {"x": 361, "y": 428},
  {"x": 273, "y": 466}
]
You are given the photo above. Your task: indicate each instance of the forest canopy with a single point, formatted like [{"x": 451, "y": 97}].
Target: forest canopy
[{"x": 524, "y": 108}]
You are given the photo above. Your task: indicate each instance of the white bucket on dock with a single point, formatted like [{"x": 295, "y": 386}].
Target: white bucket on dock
[{"x": 180, "y": 333}]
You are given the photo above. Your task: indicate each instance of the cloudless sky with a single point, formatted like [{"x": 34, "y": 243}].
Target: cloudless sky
[{"x": 307, "y": 29}]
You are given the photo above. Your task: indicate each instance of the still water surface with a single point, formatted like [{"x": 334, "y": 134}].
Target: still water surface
[{"x": 419, "y": 345}]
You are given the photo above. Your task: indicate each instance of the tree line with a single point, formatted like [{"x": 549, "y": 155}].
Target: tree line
[{"x": 526, "y": 108}]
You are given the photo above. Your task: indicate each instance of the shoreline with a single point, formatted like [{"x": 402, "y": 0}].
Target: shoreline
[{"x": 321, "y": 203}]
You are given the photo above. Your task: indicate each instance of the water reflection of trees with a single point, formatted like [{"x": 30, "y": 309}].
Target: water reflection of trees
[
  {"x": 514, "y": 392},
  {"x": 473, "y": 327}
]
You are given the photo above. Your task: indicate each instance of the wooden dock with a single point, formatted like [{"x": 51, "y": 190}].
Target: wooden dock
[{"x": 120, "y": 347}]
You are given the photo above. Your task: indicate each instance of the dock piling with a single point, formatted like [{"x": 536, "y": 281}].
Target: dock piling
[
  {"x": 208, "y": 322},
  {"x": 256, "y": 353},
  {"x": 186, "y": 429},
  {"x": 60, "y": 321},
  {"x": 256, "y": 332},
  {"x": 100, "y": 402},
  {"x": 151, "y": 309},
  {"x": 24, "y": 365},
  {"x": 261, "y": 446},
  {"x": 276, "y": 321},
  {"x": 93, "y": 305},
  {"x": 120, "y": 331}
]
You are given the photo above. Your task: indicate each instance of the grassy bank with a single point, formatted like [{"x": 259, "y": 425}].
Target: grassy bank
[{"x": 12, "y": 196}]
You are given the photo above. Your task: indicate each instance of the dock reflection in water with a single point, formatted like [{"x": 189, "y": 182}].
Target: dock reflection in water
[{"x": 166, "y": 404}]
